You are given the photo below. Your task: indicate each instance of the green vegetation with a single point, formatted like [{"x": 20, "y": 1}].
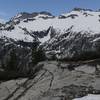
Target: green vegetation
[
  {"x": 37, "y": 54},
  {"x": 12, "y": 62}
]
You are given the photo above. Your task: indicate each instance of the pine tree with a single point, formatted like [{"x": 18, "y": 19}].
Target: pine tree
[
  {"x": 12, "y": 63},
  {"x": 37, "y": 54}
]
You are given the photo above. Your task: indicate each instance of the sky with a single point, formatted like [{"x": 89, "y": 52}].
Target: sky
[{"x": 9, "y": 8}]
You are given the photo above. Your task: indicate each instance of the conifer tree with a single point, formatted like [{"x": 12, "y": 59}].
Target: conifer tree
[
  {"x": 12, "y": 63},
  {"x": 37, "y": 54}
]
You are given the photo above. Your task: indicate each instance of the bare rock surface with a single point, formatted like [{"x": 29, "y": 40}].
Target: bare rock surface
[{"x": 53, "y": 82}]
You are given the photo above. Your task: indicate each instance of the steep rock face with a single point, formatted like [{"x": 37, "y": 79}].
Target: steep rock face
[
  {"x": 22, "y": 52},
  {"x": 74, "y": 45}
]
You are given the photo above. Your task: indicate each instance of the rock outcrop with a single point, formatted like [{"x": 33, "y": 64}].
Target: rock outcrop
[{"x": 53, "y": 81}]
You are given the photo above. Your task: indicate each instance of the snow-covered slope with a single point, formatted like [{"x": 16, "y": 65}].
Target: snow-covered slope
[
  {"x": 68, "y": 34},
  {"x": 80, "y": 21}
]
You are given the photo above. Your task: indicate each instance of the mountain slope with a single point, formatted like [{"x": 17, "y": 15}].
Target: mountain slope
[
  {"x": 71, "y": 36},
  {"x": 79, "y": 21}
]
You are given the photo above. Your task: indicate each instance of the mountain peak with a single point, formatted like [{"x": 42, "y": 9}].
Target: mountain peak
[
  {"x": 81, "y": 9},
  {"x": 25, "y": 15}
]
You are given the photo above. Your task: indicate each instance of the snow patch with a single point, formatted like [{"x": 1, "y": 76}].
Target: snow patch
[{"x": 89, "y": 97}]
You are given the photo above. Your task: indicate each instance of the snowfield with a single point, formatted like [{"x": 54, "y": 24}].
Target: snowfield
[
  {"x": 79, "y": 21},
  {"x": 89, "y": 97}
]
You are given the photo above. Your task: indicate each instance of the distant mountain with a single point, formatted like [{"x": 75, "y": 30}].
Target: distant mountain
[
  {"x": 78, "y": 20},
  {"x": 74, "y": 35},
  {"x": 2, "y": 21}
]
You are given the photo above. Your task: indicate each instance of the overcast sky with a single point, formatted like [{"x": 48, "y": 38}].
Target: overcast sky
[{"x": 9, "y": 8}]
